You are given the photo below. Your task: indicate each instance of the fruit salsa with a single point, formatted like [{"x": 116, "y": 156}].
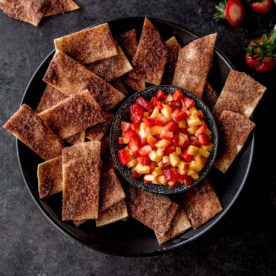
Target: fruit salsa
[{"x": 167, "y": 141}]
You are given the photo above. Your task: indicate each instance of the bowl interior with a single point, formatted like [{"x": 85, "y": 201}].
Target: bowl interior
[{"x": 123, "y": 114}]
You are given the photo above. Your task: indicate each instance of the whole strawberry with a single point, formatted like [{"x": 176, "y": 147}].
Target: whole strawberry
[
  {"x": 231, "y": 10},
  {"x": 261, "y": 53}
]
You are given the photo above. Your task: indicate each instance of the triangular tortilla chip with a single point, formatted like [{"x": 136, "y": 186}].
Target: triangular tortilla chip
[
  {"x": 89, "y": 45},
  {"x": 151, "y": 56},
  {"x": 234, "y": 130},
  {"x": 210, "y": 95},
  {"x": 111, "y": 68},
  {"x": 49, "y": 176},
  {"x": 60, "y": 7},
  {"x": 97, "y": 132},
  {"x": 69, "y": 76},
  {"x": 76, "y": 138},
  {"x": 240, "y": 94},
  {"x": 115, "y": 213},
  {"x": 201, "y": 203},
  {"x": 81, "y": 182},
  {"x": 29, "y": 128},
  {"x": 119, "y": 85},
  {"x": 73, "y": 115},
  {"x": 193, "y": 64},
  {"x": 30, "y": 11},
  {"x": 153, "y": 210},
  {"x": 179, "y": 225},
  {"x": 134, "y": 84},
  {"x": 173, "y": 48},
  {"x": 50, "y": 97}
]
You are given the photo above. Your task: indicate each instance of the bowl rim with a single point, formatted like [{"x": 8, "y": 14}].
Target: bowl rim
[
  {"x": 58, "y": 224},
  {"x": 154, "y": 188}
]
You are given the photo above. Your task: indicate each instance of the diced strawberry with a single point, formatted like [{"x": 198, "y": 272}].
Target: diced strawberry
[
  {"x": 147, "y": 182},
  {"x": 135, "y": 126},
  {"x": 145, "y": 150},
  {"x": 156, "y": 103},
  {"x": 186, "y": 157},
  {"x": 135, "y": 118},
  {"x": 201, "y": 130},
  {"x": 149, "y": 122},
  {"x": 144, "y": 160},
  {"x": 124, "y": 156},
  {"x": 136, "y": 175},
  {"x": 133, "y": 144},
  {"x": 189, "y": 102},
  {"x": 177, "y": 95},
  {"x": 143, "y": 141},
  {"x": 166, "y": 166},
  {"x": 130, "y": 133},
  {"x": 151, "y": 140},
  {"x": 169, "y": 149},
  {"x": 125, "y": 126},
  {"x": 160, "y": 120},
  {"x": 186, "y": 144},
  {"x": 203, "y": 139},
  {"x": 194, "y": 141},
  {"x": 178, "y": 115},
  {"x": 136, "y": 109},
  {"x": 161, "y": 95},
  {"x": 183, "y": 130},
  {"x": 165, "y": 134},
  {"x": 188, "y": 181},
  {"x": 173, "y": 184},
  {"x": 171, "y": 175},
  {"x": 175, "y": 140},
  {"x": 174, "y": 105},
  {"x": 201, "y": 115},
  {"x": 171, "y": 126},
  {"x": 121, "y": 141},
  {"x": 144, "y": 103}
]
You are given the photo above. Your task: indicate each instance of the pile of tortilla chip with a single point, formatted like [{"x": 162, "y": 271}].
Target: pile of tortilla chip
[
  {"x": 32, "y": 11},
  {"x": 90, "y": 73}
]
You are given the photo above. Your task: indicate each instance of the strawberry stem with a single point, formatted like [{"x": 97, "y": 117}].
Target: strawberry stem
[{"x": 220, "y": 11}]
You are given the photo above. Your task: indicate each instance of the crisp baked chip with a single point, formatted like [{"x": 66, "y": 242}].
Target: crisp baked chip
[
  {"x": 60, "y": 7},
  {"x": 29, "y": 128},
  {"x": 234, "y": 130},
  {"x": 240, "y": 94},
  {"x": 210, "y": 95},
  {"x": 111, "y": 190},
  {"x": 201, "y": 203},
  {"x": 108, "y": 162},
  {"x": 30, "y": 11},
  {"x": 151, "y": 56},
  {"x": 115, "y": 213},
  {"x": 134, "y": 84},
  {"x": 50, "y": 97},
  {"x": 49, "y": 176},
  {"x": 79, "y": 222},
  {"x": 119, "y": 85},
  {"x": 193, "y": 64},
  {"x": 89, "y": 45},
  {"x": 111, "y": 68},
  {"x": 97, "y": 132},
  {"x": 69, "y": 77},
  {"x": 81, "y": 182},
  {"x": 153, "y": 210},
  {"x": 76, "y": 138},
  {"x": 73, "y": 115},
  {"x": 173, "y": 48},
  {"x": 179, "y": 225},
  {"x": 129, "y": 43}
]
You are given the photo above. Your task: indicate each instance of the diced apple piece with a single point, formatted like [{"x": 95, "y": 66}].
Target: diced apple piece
[
  {"x": 162, "y": 179},
  {"x": 166, "y": 159},
  {"x": 191, "y": 130},
  {"x": 192, "y": 150},
  {"x": 178, "y": 150},
  {"x": 204, "y": 152},
  {"x": 154, "y": 156},
  {"x": 193, "y": 120},
  {"x": 156, "y": 130},
  {"x": 162, "y": 143},
  {"x": 154, "y": 113},
  {"x": 167, "y": 112},
  {"x": 132, "y": 163},
  {"x": 157, "y": 171},
  {"x": 174, "y": 159},
  {"x": 139, "y": 168},
  {"x": 182, "y": 124},
  {"x": 150, "y": 177}
]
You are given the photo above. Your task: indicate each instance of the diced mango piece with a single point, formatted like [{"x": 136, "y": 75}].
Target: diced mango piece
[
  {"x": 132, "y": 163},
  {"x": 150, "y": 177},
  {"x": 194, "y": 175},
  {"x": 166, "y": 159},
  {"x": 182, "y": 139},
  {"x": 157, "y": 171},
  {"x": 162, "y": 143},
  {"x": 196, "y": 166},
  {"x": 182, "y": 165},
  {"x": 174, "y": 159},
  {"x": 178, "y": 150},
  {"x": 156, "y": 130},
  {"x": 208, "y": 147},
  {"x": 160, "y": 152},
  {"x": 146, "y": 114},
  {"x": 162, "y": 179},
  {"x": 169, "y": 98},
  {"x": 143, "y": 126},
  {"x": 182, "y": 124},
  {"x": 194, "y": 110},
  {"x": 160, "y": 164},
  {"x": 193, "y": 120},
  {"x": 142, "y": 169},
  {"x": 154, "y": 113},
  {"x": 154, "y": 156},
  {"x": 143, "y": 133},
  {"x": 167, "y": 112},
  {"x": 191, "y": 130},
  {"x": 192, "y": 150},
  {"x": 204, "y": 152},
  {"x": 208, "y": 132}
]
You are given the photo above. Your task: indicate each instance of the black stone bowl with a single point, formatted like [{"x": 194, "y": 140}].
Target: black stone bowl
[{"x": 123, "y": 114}]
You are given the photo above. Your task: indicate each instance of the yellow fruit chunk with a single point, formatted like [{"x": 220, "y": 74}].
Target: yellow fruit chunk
[
  {"x": 142, "y": 169},
  {"x": 181, "y": 165},
  {"x": 204, "y": 152},
  {"x": 182, "y": 139},
  {"x": 191, "y": 130},
  {"x": 182, "y": 124},
  {"x": 156, "y": 130},
  {"x": 166, "y": 159},
  {"x": 193, "y": 120},
  {"x": 174, "y": 159},
  {"x": 162, "y": 143},
  {"x": 143, "y": 126},
  {"x": 178, "y": 150},
  {"x": 132, "y": 163},
  {"x": 154, "y": 113},
  {"x": 208, "y": 132},
  {"x": 154, "y": 156},
  {"x": 192, "y": 150},
  {"x": 150, "y": 177},
  {"x": 194, "y": 175},
  {"x": 167, "y": 112},
  {"x": 209, "y": 147},
  {"x": 157, "y": 171},
  {"x": 162, "y": 179},
  {"x": 169, "y": 98},
  {"x": 143, "y": 133},
  {"x": 146, "y": 114},
  {"x": 194, "y": 110}
]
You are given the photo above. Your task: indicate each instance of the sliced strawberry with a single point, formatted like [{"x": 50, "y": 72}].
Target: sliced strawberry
[
  {"x": 136, "y": 126},
  {"x": 175, "y": 140},
  {"x": 260, "y": 6},
  {"x": 149, "y": 122},
  {"x": 145, "y": 150},
  {"x": 136, "y": 109},
  {"x": 161, "y": 95},
  {"x": 171, "y": 126},
  {"x": 189, "y": 102},
  {"x": 135, "y": 118},
  {"x": 169, "y": 150},
  {"x": 174, "y": 105},
  {"x": 144, "y": 160},
  {"x": 166, "y": 134},
  {"x": 178, "y": 115},
  {"x": 171, "y": 175},
  {"x": 143, "y": 141},
  {"x": 203, "y": 139},
  {"x": 186, "y": 157},
  {"x": 124, "y": 156},
  {"x": 156, "y": 103},
  {"x": 133, "y": 144},
  {"x": 177, "y": 95},
  {"x": 144, "y": 103},
  {"x": 201, "y": 130},
  {"x": 160, "y": 120},
  {"x": 129, "y": 134},
  {"x": 136, "y": 175},
  {"x": 125, "y": 126}
]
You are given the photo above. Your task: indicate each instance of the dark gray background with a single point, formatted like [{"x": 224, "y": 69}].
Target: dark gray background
[{"x": 242, "y": 243}]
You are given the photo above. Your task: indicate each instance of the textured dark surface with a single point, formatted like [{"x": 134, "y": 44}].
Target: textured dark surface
[{"x": 242, "y": 243}]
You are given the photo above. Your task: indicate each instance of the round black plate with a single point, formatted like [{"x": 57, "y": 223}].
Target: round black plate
[
  {"x": 123, "y": 114},
  {"x": 132, "y": 238}
]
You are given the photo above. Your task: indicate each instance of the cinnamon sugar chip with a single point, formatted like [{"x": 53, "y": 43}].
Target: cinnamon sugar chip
[
  {"x": 29, "y": 128},
  {"x": 234, "y": 130},
  {"x": 193, "y": 64},
  {"x": 76, "y": 138},
  {"x": 210, "y": 95},
  {"x": 240, "y": 94},
  {"x": 60, "y": 7}
]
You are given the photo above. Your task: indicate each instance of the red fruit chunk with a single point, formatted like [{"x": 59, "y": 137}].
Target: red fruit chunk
[
  {"x": 174, "y": 105},
  {"x": 145, "y": 150},
  {"x": 177, "y": 95},
  {"x": 203, "y": 139},
  {"x": 144, "y": 103},
  {"x": 136, "y": 175},
  {"x": 161, "y": 95},
  {"x": 171, "y": 126},
  {"x": 144, "y": 160},
  {"x": 186, "y": 157},
  {"x": 165, "y": 134},
  {"x": 171, "y": 175},
  {"x": 156, "y": 103},
  {"x": 173, "y": 184},
  {"x": 147, "y": 182},
  {"x": 189, "y": 102},
  {"x": 135, "y": 126},
  {"x": 121, "y": 140},
  {"x": 136, "y": 109},
  {"x": 125, "y": 126},
  {"x": 124, "y": 156},
  {"x": 130, "y": 133},
  {"x": 135, "y": 118},
  {"x": 186, "y": 179},
  {"x": 133, "y": 144},
  {"x": 143, "y": 141},
  {"x": 194, "y": 141},
  {"x": 166, "y": 166},
  {"x": 152, "y": 141},
  {"x": 169, "y": 149},
  {"x": 201, "y": 130},
  {"x": 178, "y": 115},
  {"x": 149, "y": 122},
  {"x": 160, "y": 120},
  {"x": 175, "y": 140}
]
